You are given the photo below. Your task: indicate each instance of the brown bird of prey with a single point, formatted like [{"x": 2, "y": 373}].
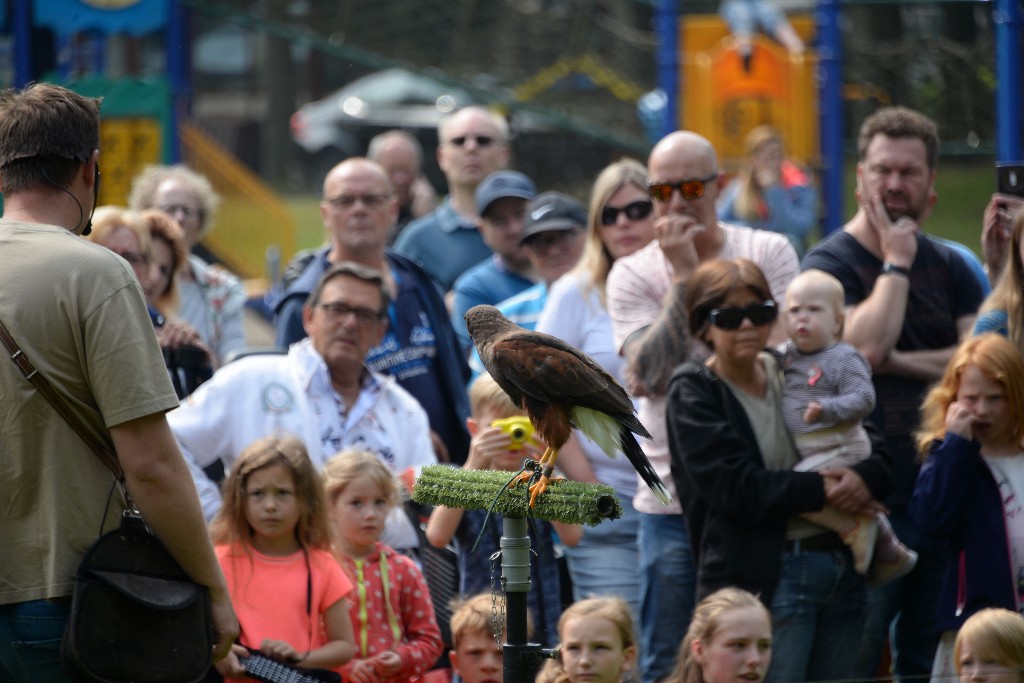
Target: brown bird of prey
[{"x": 559, "y": 387}]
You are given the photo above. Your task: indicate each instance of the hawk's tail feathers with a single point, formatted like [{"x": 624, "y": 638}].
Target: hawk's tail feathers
[{"x": 642, "y": 465}]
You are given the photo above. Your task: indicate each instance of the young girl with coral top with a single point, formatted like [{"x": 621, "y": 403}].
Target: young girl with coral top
[
  {"x": 397, "y": 637},
  {"x": 971, "y": 486},
  {"x": 272, "y": 539}
]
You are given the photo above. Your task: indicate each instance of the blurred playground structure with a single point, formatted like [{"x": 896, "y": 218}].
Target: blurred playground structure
[{"x": 213, "y": 82}]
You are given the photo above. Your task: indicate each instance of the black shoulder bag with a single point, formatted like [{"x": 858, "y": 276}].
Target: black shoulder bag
[{"x": 136, "y": 616}]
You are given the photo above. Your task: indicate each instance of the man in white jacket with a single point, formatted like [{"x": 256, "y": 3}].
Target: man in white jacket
[{"x": 321, "y": 392}]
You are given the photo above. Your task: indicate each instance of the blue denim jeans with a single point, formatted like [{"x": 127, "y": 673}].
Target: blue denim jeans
[
  {"x": 904, "y": 610},
  {"x": 818, "y": 615},
  {"x": 30, "y": 635},
  {"x": 668, "y": 585},
  {"x": 604, "y": 562}
]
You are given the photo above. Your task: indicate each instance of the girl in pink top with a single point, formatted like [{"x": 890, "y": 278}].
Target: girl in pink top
[
  {"x": 273, "y": 542},
  {"x": 397, "y": 638}
]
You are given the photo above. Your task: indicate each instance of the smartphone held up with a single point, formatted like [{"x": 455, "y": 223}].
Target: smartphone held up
[{"x": 1010, "y": 178}]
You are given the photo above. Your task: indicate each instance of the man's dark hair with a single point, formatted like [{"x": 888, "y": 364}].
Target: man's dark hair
[
  {"x": 46, "y": 133},
  {"x": 357, "y": 271},
  {"x": 900, "y": 122}
]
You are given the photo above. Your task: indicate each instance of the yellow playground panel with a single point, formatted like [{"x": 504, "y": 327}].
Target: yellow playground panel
[
  {"x": 722, "y": 101},
  {"x": 250, "y": 218},
  {"x": 129, "y": 144}
]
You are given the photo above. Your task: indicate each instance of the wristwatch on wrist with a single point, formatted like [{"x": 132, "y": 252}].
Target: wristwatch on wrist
[{"x": 888, "y": 268}]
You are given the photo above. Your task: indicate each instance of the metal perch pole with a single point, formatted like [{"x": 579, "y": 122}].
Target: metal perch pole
[
  {"x": 570, "y": 502},
  {"x": 521, "y": 658}
]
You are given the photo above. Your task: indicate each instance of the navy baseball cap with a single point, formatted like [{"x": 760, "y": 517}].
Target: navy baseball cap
[
  {"x": 553, "y": 211},
  {"x": 501, "y": 184}
]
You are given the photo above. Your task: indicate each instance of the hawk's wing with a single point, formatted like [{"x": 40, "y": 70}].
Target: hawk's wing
[{"x": 547, "y": 369}]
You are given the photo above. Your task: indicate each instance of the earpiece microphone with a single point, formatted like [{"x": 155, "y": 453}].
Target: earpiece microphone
[{"x": 81, "y": 211}]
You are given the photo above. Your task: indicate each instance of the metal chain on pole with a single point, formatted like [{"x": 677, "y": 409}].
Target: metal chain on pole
[{"x": 497, "y": 617}]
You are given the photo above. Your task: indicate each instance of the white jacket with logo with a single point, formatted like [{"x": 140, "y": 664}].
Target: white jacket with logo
[{"x": 262, "y": 395}]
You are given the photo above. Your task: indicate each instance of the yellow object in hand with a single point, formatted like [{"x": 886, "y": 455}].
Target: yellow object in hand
[{"x": 519, "y": 430}]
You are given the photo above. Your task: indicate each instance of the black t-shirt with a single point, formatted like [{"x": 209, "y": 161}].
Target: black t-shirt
[{"x": 942, "y": 289}]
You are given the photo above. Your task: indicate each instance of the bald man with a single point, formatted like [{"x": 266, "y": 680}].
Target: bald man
[
  {"x": 420, "y": 348},
  {"x": 472, "y": 144},
  {"x": 646, "y": 300},
  {"x": 400, "y": 155}
]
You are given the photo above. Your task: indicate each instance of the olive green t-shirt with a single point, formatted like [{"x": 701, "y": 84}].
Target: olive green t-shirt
[{"x": 79, "y": 315}]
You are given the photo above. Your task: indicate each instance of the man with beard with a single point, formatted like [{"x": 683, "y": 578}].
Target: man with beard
[{"x": 909, "y": 299}]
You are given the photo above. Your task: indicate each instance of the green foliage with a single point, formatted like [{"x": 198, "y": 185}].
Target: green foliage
[{"x": 570, "y": 502}]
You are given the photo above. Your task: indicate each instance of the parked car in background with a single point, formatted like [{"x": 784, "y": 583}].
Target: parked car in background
[{"x": 343, "y": 123}]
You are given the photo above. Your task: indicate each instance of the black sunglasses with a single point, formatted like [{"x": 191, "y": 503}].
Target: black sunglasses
[
  {"x": 634, "y": 211},
  {"x": 481, "y": 140},
  {"x": 731, "y": 318}
]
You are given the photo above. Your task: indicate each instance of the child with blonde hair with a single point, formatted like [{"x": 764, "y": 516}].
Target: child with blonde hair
[
  {"x": 730, "y": 637},
  {"x": 990, "y": 647},
  {"x": 273, "y": 543},
  {"x": 492, "y": 448},
  {"x": 826, "y": 396},
  {"x": 596, "y": 643},
  {"x": 970, "y": 490},
  {"x": 476, "y": 656},
  {"x": 397, "y": 637}
]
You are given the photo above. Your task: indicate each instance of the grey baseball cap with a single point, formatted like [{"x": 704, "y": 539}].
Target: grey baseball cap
[
  {"x": 501, "y": 184},
  {"x": 553, "y": 211}
]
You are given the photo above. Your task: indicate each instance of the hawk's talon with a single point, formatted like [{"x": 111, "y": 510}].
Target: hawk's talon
[
  {"x": 541, "y": 485},
  {"x": 538, "y": 487}
]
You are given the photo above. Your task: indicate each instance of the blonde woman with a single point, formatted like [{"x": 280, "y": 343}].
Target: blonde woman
[
  {"x": 770, "y": 192},
  {"x": 1003, "y": 309},
  {"x": 620, "y": 221}
]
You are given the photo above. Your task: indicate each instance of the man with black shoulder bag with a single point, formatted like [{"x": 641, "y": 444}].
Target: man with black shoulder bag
[{"x": 76, "y": 322}]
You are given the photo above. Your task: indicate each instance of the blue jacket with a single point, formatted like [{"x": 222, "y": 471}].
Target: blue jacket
[
  {"x": 413, "y": 281},
  {"x": 957, "y": 498}
]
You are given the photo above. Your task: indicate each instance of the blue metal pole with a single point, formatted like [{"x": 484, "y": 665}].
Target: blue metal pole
[
  {"x": 666, "y": 29},
  {"x": 178, "y": 59},
  {"x": 22, "y": 43},
  {"x": 1007, "y": 18},
  {"x": 830, "y": 104}
]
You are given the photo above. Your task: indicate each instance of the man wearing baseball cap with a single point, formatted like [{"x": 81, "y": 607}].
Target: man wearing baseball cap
[
  {"x": 501, "y": 203},
  {"x": 553, "y": 240}
]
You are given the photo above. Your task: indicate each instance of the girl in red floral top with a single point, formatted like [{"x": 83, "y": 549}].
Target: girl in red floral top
[{"x": 397, "y": 638}]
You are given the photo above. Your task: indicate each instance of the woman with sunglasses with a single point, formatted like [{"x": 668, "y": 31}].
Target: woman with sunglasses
[
  {"x": 620, "y": 221},
  {"x": 731, "y": 463}
]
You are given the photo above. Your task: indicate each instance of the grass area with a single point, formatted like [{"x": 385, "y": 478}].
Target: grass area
[
  {"x": 309, "y": 227},
  {"x": 964, "y": 187}
]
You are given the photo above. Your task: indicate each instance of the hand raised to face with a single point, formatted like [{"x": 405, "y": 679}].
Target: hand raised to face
[
  {"x": 897, "y": 238},
  {"x": 676, "y": 234}
]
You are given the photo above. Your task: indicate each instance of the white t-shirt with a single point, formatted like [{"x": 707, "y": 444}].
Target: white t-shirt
[{"x": 1009, "y": 474}]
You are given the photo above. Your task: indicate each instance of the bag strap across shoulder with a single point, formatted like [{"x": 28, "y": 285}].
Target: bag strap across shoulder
[{"x": 59, "y": 404}]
